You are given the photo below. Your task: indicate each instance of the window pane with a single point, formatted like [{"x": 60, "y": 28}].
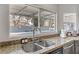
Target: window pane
[
  {"x": 22, "y": 18},
  {"x": 70, "y": 22},
  {"x": 47, "y": 21}
]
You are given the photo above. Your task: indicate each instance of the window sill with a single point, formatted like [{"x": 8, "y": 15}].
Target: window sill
[{"x": 21, "y": 35}]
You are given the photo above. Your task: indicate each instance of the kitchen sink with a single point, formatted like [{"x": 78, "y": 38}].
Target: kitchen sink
[
  {"x": 45, "y": 43},
  {"x": 36, "y": 45},
  {"x": 31, "y": 47}
]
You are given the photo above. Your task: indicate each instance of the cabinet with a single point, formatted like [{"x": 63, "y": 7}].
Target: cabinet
[
  {"x": 77, "y": 46},
  {"x": 71, "y": 47},
  {"x": 68, "y": 48}
]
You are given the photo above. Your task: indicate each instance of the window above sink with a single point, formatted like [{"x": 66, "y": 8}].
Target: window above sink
[{"x": 23, "y": 18}]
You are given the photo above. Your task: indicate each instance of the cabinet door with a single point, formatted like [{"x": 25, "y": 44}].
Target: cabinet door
[
  {"x": 77, "y": 49},
  {"x": 77, "y": 46},
  {"x": 69, "y": 49}
]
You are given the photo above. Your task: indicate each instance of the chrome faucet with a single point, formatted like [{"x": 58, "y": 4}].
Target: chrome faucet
[{"x": 34, "y": 30}]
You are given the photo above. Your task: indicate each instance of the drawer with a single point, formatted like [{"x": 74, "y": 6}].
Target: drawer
[{"x": 76, "y": 42}]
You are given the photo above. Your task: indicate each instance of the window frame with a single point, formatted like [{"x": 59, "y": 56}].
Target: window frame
[{"x": 55, "y": 20}]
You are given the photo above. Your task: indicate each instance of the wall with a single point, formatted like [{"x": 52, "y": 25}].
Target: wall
[
  {"x": 78, "y": 18},
  {"x": 4, "y": 22}
]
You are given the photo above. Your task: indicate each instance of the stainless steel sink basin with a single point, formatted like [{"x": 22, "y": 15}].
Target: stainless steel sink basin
[
  {"x": 45, "y": 43},
  {"x": 31, "y": 47}
]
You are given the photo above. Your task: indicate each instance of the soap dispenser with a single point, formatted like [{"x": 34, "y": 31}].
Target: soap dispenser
[{"x": 63, "y": 33}]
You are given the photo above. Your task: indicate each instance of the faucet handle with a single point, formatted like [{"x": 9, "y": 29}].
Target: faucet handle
[{"x": 24, "y": 40}]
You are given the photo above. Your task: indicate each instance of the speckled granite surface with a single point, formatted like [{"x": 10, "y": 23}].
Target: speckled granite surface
[
  {"x": 16, "y": 48},
  {"x": 15, "y": 43},
  {"x": 9, "y": 49}
]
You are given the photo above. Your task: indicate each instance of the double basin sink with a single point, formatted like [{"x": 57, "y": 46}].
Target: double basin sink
[{"x": 36, "y": 45}]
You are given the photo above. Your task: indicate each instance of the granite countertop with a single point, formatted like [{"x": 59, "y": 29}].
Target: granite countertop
[{"x": 59, "y": 42}]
